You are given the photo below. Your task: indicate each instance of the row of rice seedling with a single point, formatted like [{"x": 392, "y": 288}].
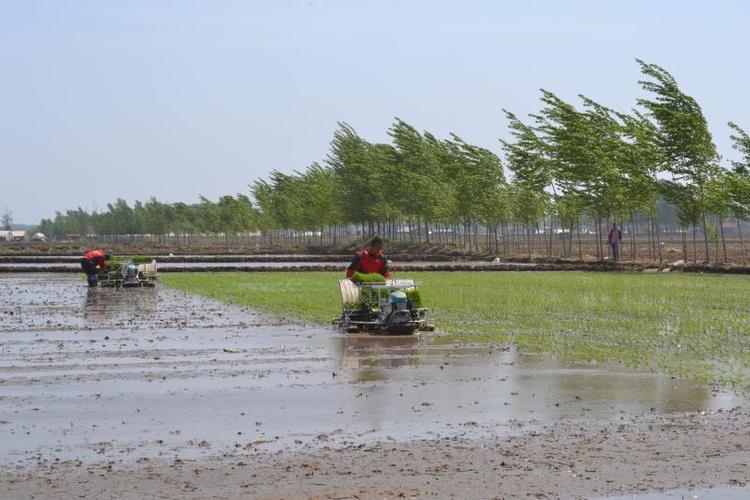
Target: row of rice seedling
[{"x": 692, "y": 325}]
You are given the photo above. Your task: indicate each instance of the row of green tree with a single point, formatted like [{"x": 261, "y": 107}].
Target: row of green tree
[
  {"x": 574, "y": 167},
  {"x": 229, "y": 215}
]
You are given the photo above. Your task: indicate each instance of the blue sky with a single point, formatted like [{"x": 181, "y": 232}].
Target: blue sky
[{"x": 176, "y": 99}]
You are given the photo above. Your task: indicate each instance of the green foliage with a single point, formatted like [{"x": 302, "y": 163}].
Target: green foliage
[
  {"x": 737, "y": 182},
  {"x": 689, "y": 325},
  {"x": 229, "y": 215},
  {"x": 686, "y": 151},
  {"x": 741, "y": 143},
  {"x": 686, "y": 146},
  {"x": 6, "y": 220}
]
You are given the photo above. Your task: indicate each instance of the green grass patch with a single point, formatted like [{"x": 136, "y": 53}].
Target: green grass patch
[{"x": 683, "y": 324}]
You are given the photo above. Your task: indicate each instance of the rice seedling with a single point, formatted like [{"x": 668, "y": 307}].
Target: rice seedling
[
  {"x": 137, "y": 259},
  {"x": 375, "y": 278}
]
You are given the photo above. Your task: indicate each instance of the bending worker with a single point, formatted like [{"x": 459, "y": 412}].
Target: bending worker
[
  {"x": 369, "y": 260},
  {"x": 91, "y": 261}
]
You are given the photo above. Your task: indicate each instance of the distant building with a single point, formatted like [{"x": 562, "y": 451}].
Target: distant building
[
  {"x": 39, "y": 237},
  {"x": 18, "y": 235},
  {"x": 6, "y": 235}
]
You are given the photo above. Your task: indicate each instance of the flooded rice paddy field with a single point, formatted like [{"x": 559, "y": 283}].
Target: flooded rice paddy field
[{"x": 153, "y": 392}]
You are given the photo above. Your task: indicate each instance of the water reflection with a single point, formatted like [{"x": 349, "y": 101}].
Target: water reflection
[
  {"x": 368, "y": 357},
  {"x": 393, "y": 378},
  {"x": 605, "y": 390},
  {"x": 112, "y": 305}
]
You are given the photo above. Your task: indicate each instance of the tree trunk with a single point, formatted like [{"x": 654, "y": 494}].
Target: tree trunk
[
  {"x": 742, "y": 245},
  {"x": 723, "y": 241},
  {"x": 477, "y": 245},
  {"x": 606, "y": 231},
  {"x": 551, "y": 235},
  {"x": 695, "y": 246},
  {"x": 656, "y": 235},
  {"x": 705, "y": 236},
  {"x": 569, "y": 252},
  {"x": 530, "y": 240},
  {"x": 633, "y": 237},
  {"x": 684, "y": 244}
]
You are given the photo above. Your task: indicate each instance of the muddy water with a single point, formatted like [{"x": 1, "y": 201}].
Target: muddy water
[
  {"x": 106, "y": 374},
  {"x": 717, "y": 492}
]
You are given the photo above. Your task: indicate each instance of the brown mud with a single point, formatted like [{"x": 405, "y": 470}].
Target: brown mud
[
  {"x": 313, "y": 264},
  {"x": 150, "y": 392},
  {"x": 208, "y": 258},
  {"x": 419, "y": 251}
]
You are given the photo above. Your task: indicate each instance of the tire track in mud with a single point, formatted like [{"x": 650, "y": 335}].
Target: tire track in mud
[{"x": 63, "y": 342}]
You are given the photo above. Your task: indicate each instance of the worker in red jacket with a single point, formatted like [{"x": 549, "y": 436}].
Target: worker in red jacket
[
  {"x": 369, "y": 260},
  {"x": 91, "y": 261}
]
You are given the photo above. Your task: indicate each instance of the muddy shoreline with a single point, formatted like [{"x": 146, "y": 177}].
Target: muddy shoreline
[
  {"x": 641, "y": 454},
  {"x": 154, "y": 393}
]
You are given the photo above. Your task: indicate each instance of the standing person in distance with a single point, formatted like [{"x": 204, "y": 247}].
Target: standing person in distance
[{"x": 615, "y": 236}]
